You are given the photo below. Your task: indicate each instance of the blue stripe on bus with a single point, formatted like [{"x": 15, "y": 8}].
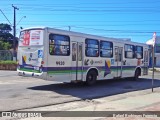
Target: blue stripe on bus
[{"x": 45, "y": 69}]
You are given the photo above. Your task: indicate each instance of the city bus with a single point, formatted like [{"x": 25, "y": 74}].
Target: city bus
[{"x": 65, "y": 56}]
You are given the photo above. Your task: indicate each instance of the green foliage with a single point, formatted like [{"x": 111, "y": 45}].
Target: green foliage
[
  {"x": 8, "y": 62},
  {"x": 5, "y": 34},
  {"x": 6, "y": 38},
  {"x": 5, "y": 45},
  {"x": 5, "y": 28}
]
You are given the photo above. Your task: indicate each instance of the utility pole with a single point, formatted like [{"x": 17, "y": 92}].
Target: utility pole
[
  {"x": 14, "y": 33},
  {"x": 153, "y": 63}
]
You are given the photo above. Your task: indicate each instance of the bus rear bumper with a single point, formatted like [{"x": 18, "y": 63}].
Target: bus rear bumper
[{"x": 29, "y": 74}]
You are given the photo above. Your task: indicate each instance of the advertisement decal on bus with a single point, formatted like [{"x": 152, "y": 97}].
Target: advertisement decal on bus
[{"x": 31, "y": 37}]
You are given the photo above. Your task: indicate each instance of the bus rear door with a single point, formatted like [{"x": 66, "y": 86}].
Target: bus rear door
[
  {"x": 77, "y": 61},
  {"x": 118, "y": 61}
]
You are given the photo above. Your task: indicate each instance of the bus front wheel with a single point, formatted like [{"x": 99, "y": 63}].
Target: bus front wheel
[{"x": 91, "y": 77}]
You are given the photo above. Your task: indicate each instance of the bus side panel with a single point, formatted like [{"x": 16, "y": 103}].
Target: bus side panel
[
  {"x": 129, "y": 62},
  {"x": 45, "y": 55},
  {"x": 58, "y": 67},
  {"x": 105, "y": 72},
  {"x": 102, "y": 65}
]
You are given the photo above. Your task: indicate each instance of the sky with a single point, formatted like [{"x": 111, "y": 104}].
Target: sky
[{"x": 134, "y": 19}]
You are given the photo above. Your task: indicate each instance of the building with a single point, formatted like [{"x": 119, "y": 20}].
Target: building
[{"x": 156, "y": 51}]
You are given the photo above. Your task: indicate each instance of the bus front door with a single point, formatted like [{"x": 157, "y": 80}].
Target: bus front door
[
  {"x": 77, "y": 61},
  {"x": 118, "y": 61}
]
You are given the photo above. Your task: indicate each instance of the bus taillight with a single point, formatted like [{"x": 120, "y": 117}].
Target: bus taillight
[
  {"x": 41, "y": 68},
  {"x": 42, "y": 62}
]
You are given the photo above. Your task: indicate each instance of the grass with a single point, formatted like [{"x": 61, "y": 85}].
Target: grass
[{"x": 8, "y": 62}]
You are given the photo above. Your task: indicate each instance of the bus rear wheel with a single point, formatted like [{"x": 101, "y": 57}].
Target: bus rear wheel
[
  {"x": 91, "y": 78},
  {"x": 136, "y": 75}
]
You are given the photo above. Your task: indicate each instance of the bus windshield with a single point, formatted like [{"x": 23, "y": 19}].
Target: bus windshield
[{"x": 31, "y": 38}]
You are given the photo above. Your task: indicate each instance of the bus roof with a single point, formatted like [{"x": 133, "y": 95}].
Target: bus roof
[
  {"x": 37, "y": 27},
  {"x": 83, "y": 34}
]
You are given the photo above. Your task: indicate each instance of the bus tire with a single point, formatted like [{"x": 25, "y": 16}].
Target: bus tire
[
  {"x": 136, "y": 75},
  {"x": 91, "y": 77},
  {"x": 20, "y": 74}
]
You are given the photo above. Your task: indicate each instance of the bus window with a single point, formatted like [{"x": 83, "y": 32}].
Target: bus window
[
  {"x": 139, "y": 52},
  {"x": 74, "y": 51},
  {"x": 129, "y": 51},
  {"x": 80, "y": 53},
  {"x": 92, "y": 48},
  {"x": 106, "y": 49},
  {"x": 59, "y": 45},
  {"x": 157, "y": 49}
]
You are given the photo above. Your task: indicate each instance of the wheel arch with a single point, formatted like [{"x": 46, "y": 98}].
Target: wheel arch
[
  {"x": 139, "y": 69},
  {"x": 90, "y": 69}
]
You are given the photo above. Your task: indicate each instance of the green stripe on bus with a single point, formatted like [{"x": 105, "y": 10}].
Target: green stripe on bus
[
  {"x": 28, "y": 70},
  {"x": 73, "y": 71},
  {"x": 115, "y": 69},
  {"x": 128, "y": 69}
]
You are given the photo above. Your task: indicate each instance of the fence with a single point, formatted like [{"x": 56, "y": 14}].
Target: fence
[{"x": 6, "y": 55}]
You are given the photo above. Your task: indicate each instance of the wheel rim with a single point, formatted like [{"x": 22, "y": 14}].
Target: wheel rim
[
  {"x": 90, "y": 77},
  {"x": 136, "y": 75}
]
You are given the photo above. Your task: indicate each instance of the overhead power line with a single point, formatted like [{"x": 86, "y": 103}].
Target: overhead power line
[
  {"x": 97, "y": 25},
  {"x": 6, "y": 17},
  {"x": 91, "y": 3},
  {"x": 91, "y": 13},
  {"x": 125, "y": 31},
  {"x": 94, "y": 10},
  {"x": 113, "y": 21}
]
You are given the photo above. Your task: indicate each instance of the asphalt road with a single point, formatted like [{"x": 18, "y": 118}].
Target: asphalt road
[{"x": 18, "y": 93}]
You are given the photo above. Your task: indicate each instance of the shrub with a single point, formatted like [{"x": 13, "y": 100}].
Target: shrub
[{"x": 8, "y": 62}]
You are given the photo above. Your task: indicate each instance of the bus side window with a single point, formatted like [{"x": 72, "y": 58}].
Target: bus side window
[
  {"x": 116, "y": 54},
  {"x": 91, "y": 47},
  {"x": 120, "y": 55},
  {"x": 129, "y": 51},
  {"x": 68, "y": 52},
  {"x": 74, "y": 50},
  {"x": 59, "y": 45},
  {"x": 106, "y": 49},
  {"x": 139, "y": 52},
  {"x": 80, "y": 53},
  {"x": 57, "y": 50}
]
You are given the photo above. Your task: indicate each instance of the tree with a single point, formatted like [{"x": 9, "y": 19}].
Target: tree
[
  {"x": 5, "y": 45},
  {"x": 5, "y": 34},
  {"x": 6, "y": 38},
  {"x": 5, "y": 28}
]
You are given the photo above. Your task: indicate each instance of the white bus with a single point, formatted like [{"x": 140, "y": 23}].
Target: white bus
[{"x": 65, "y": 56}]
